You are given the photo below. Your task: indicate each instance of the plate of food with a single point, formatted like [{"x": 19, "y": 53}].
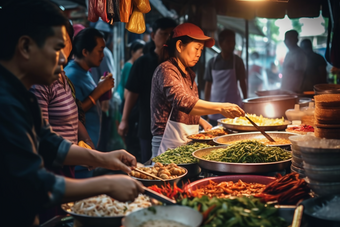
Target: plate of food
[
  {"x": 170, "y": 173},
  {"x": 281, "y": 138},
  {"x": 103, "y": 210},
  {"x": 242, "y": 123},
  {"x": 208, "y": 135},
  {"x": 243, "y": 157},
  {"x": 229, "y": 186}
]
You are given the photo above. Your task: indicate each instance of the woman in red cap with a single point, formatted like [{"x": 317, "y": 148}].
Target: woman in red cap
[{"x": 175, "y": 105}]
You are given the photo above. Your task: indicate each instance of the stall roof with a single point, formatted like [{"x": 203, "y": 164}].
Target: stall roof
[
  {"x": 250, "y": 10},
  {"x": 238, "y": 25}
]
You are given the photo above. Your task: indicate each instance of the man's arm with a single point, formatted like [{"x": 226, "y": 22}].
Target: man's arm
[
  {"x": 130, "y": 102},
  {"x": 83, "y": 135},
  {"x": 120, "y": 187},
  {"x": 102, "y": 87}
]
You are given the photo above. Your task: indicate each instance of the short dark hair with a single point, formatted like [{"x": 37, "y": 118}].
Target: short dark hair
[
  {"x": 85, "y": 39},
  {"x": 163, "y": 23},
  {"x": 306, "y": 44},
  {"x": 169, "y": 50},
  {"x": 136, "y": 45},
  {"x": 30, "y": 17},
  {"x": 223, "y": 35},
  {"x": 292, "y": 33}
]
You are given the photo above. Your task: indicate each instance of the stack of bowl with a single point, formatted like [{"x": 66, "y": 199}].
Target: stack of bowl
[
  {"x": 321, "y": 163},
  {"x": 297, "y": 162}
]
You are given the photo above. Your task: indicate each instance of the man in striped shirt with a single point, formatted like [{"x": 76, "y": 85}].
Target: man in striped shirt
[{"x": 59, "y": 108}]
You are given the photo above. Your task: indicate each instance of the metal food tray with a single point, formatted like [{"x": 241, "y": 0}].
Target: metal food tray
[
  {"x": 223, "y": 140},
  {"x": 250, "y": 128},
  {"x": 228, "y": 167},
  {"x": 198, "y": 140}
]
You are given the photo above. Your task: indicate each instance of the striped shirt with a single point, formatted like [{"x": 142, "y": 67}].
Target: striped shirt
[{"x": 59, "y": 108}]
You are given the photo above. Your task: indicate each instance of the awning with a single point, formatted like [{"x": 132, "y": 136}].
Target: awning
[{"x": 238, "y": 25}]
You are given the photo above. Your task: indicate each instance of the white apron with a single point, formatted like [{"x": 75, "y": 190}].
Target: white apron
[
  {"x": 224, "y": 88},
  {"x": 175, "y": 134}
]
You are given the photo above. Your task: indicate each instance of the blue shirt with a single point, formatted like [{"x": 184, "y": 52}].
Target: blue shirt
[
  {"x": 27, "y": 145},
  {"x": 84, "y": 85}
]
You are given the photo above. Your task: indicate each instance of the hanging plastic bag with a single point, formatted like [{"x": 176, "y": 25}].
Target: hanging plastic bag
[
  {"x": 125, "y": 9},
  {"x": 136, "y": 23},
  {"x": 110, "y": 11},
  {"x": 92, "y": 16},
  {"x": 143, "y": 5},
  {"x": 101, "y": 10}
]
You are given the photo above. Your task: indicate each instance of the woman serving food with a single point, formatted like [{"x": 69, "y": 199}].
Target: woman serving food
[{"x": 175, "y": 105}]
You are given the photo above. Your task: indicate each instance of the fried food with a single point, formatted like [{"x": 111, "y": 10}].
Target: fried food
[{"x": 166, "y": 172}]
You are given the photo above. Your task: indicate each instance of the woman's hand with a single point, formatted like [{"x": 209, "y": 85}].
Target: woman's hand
[
  {"x": 106, "y": 84},
  {"x": 230, "y": 110},
  {"x": 206, "y": 125}
]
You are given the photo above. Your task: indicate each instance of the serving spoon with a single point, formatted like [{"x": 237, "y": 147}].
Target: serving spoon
[{"x": 260, "y": 129}]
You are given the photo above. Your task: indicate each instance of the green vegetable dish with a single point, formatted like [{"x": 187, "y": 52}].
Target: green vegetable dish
[
  {"x": 238, "y": 212},
  {"x": 180, "y": 155},
  {"x": 248, "y": 151}
]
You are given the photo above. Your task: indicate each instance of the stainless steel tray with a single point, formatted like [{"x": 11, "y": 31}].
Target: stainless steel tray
[
  {"x": 224, "y": 140},
  {"x": 250, "y": 128},
  {"x": 225, "y": 167}
]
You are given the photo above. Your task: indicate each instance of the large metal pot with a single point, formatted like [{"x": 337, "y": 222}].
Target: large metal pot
[{"x": 270, "y": 106}]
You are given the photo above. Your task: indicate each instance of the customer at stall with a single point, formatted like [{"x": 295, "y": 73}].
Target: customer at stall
[
  {"x": 175, "y": 106},
  {"x": 316, "y": 72},
  {"x": 58, "y": 106},
  {"x": 294, "y": 66},
  {"x": 223, "y": 73},
  {"x": 29, "y": 55},
  {"x": 88, "y": 46},
  {"x": 138, "y": 86}
]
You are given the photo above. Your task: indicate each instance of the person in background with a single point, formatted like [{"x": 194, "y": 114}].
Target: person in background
[
  {"x": 29, "y": 56},
  {"x": 176, "y": 109},
  {"x": 295, "y": 64},
  {"x": 88, "y": 46},
  {"x": 106, "y": 65},
  {"x": 139, "y": 86},
  {"x": 316, "y": 72},
  {"x": 223, "y": 73},
  {"x": 131, "y": 139},
  {"x": 135, "y": 51}
]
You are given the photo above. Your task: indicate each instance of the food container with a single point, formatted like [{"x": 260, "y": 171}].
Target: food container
[
  {"x": 311, "y": 205},
  {"x": 224, "y": 140},
  {"x": 298, "y": 170},
  {"x": 182, "y": 214},
  {"x": 324, "y": 188},
  {"x": 323, "y": 173},
  {"x": 228, "y": 167},
  {"x": 297, "y": 160},
  {"x": 245, "y": 178},
  {"x": 320, "y": 152},
  {"x": 147, "y": 182},
  {"x": 270, "y": 106}
]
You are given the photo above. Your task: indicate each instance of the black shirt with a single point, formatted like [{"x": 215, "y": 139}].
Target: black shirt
[
  {"x": 26, "y": 187},
  {"x": 139, "y": 81}
]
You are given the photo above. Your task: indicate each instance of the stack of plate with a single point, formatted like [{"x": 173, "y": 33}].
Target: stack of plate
[
  {"x": 297, "y": 161},
  {"x": 321, "y": 163}
]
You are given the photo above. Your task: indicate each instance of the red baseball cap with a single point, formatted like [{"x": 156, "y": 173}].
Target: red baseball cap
[{"x": 193, "y": 31}]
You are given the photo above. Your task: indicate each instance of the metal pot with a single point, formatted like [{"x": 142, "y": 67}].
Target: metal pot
[
  {"x": 270, "y": 106},
  {"x": 326, "y": 89}
]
